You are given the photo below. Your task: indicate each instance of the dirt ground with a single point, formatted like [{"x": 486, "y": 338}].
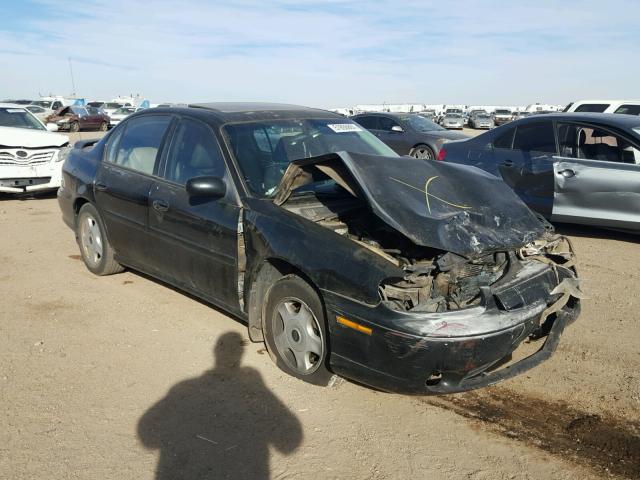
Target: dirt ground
[{"x": 122, "y": 377}]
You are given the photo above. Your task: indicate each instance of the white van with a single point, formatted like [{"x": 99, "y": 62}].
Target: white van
[{"x": 629, "y": 107}]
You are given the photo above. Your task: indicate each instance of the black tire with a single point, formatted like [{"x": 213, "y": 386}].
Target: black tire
[
  {"x": 288, "y": 340},
  {"x": 423, "y": 152},
  {"x": 104, "y": 126},
  {"x": 74, "y": 127},
  {"x": 95, "y": 249}
]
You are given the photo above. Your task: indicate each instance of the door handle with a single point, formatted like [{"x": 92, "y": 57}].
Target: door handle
[
  {"x": 100, "y": 186},
  {"x": 160, "y": 205},
  {"x": 568, "y": 173},
  {"x": 507, "y": 163}
]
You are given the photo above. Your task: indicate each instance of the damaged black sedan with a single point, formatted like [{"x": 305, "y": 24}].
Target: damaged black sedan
[{"x": 343, "y": 257}]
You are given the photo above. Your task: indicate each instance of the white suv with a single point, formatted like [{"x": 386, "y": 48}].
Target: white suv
[
  {"x": 31, "y": 157},
  {"x": 628, "y": 107}
]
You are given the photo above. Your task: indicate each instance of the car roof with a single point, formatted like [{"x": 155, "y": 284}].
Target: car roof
[
  {"x": 252, "y": 111},
  {"x": 12, "y": 105},
  {"x": 616, "y": 119}
]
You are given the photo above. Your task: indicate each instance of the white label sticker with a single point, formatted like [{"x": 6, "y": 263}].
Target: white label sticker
[
  {"x": 344, "y": 127},
  {"x": 15, "y": 110}
]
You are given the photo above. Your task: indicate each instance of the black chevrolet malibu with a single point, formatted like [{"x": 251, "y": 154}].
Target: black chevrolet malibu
[{"x": 341, "y": 256}]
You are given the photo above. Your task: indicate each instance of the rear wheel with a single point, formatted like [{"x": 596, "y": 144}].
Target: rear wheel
[
  {"x": 422, "y": 151},
  {"x": 95, "y": 248},
  {"x": 295, "y": 330}
]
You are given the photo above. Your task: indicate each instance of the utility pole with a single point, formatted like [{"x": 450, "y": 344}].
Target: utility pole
[{"x": 73, "y": 82}]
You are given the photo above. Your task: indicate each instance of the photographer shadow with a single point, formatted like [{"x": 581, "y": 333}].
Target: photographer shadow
[{"x": 220, "y": 424}]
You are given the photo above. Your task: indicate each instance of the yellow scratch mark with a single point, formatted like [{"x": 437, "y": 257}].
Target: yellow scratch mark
[{"x": 427, "y": 194}]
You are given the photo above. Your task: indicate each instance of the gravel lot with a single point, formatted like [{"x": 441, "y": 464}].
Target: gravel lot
[{"x": 116, "y": 377}]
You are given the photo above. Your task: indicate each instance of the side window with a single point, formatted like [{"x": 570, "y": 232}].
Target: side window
[
  {"x": 112, "y": 145},
  {"x": 535, "y": 137},
  {"x": 628, "y": 109},
  {"x": 592, "y": 107},
  {"x": 57, "y": 105},
  {"x": 137, "y": 146},
  {"x": 505, "y": 140},
  {"x": 591, "y": 143},
  {"x": 387, "y": 123},
  {"x": 370, "y": 122},
  {"x": 194, "y": 152}
]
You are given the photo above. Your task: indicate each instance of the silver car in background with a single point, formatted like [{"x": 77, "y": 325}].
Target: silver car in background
[
  {"x": 453, "y": 120},
  {"x": 122, "y": 113},
  {"x": 481, "y": 120}
]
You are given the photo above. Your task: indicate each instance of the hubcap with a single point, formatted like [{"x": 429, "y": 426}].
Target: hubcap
[
  {"x": 423, "y": 153},
  {"x": 298, "y": 336},
  {"x": 91, "y": 239}
]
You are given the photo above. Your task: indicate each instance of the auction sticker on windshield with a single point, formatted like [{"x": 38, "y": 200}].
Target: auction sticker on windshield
[
  {"x": 15, "y": 110},
  {"x": 344, "y": 127}
]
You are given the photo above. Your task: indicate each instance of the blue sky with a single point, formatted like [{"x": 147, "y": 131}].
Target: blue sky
[{"x": 323, "y": 53}]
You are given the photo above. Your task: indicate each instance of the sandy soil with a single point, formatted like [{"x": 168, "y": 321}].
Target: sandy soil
[{"x": 123, "y": 377}]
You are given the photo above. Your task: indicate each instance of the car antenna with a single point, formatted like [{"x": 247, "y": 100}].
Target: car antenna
[{"x": 73, "y": 82}]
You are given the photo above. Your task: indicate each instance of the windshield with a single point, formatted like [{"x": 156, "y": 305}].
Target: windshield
[
  {"x": 265, "y": 149},
  {"x": 503, "y": 112},
  {"x": 19, "y": 118},
  {"x": 453, "y": 115},
  {"x": 419, "y": 123},
  {"x": 112, "y": 105},
  {"x": 482, "y": 115},
  {"x": 95, "y": 104}
]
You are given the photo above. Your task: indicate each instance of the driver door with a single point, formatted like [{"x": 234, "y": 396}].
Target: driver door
[
  {"x": 596, "y": 178},
  {"x": 396, "y": 139},
  {"x": 194, "y": 241}
]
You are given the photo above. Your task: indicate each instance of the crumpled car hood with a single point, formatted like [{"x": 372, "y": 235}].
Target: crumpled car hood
[
  {"x": 450, "y": 207},
  {"x": 28, "y": 138}
]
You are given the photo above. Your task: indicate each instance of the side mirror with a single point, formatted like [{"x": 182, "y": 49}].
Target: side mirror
[
  {"x": 397, "y": 128},
  {"x": 52, "y": 127},
  {"x": 206, "y": 187}
]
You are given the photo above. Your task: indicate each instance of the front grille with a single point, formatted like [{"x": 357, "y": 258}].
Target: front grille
[{"x": 33, "y": 157}]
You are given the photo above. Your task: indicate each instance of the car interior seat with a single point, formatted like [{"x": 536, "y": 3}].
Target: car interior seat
[{"x": 142, "y": 159}]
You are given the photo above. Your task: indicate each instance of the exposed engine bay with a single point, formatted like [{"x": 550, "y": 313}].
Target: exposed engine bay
[{"x": 435, "y": 280}]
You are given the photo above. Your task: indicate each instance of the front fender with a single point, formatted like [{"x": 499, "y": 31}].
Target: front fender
[{"x": 329, "y": 261}]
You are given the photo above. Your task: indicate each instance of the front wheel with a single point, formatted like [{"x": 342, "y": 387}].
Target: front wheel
[
  {"x": 74, "y": 127},
  {"x": 422, "y": 152},
  {"x": 95, "y": 248},
  {"x": 295, "y": 330},
  {"x": 104, "y": 126}
]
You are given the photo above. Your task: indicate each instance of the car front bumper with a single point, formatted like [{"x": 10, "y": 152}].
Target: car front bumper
[
  {"x": 28, "y": 178},
  {"x": 392, "y": 359}
]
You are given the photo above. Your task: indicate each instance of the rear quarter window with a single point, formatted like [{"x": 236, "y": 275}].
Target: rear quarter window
[{"x": 628, "y": 109}]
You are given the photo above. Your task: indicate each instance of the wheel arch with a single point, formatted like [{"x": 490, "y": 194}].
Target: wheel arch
[
  {"x": 268, "y": 272},
  {"x": 426, "y": 144}
]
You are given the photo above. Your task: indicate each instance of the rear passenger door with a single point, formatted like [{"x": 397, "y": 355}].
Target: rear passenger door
[
  {"x": 397, "y": 140},
  {"x": 597, "y": 177},
  {"x": 194, "y": 241},
  {"x": 527, "y": 165},
  {"x": 123, "y": 181}
]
